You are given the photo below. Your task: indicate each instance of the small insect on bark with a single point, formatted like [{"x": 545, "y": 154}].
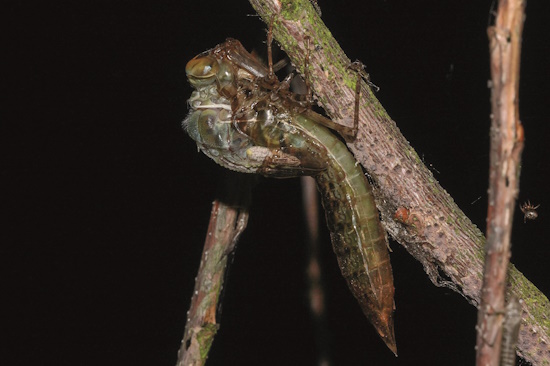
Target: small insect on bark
[{"x": 529, "y": 211}]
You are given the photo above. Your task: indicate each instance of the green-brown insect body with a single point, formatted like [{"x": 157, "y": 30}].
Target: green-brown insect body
[{"x": 248, "y": 122}]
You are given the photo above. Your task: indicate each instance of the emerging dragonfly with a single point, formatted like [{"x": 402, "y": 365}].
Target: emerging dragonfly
[{"x": 243, "y": 118}]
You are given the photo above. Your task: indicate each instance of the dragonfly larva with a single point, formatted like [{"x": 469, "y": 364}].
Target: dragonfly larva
[{"x": 246, "y": 120}]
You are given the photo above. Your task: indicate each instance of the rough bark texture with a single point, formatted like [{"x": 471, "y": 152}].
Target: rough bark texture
[
  {"x": 228, "y": 220},
  {"x": 505, "y": 153},
  {"x": 416, "y": 210}
]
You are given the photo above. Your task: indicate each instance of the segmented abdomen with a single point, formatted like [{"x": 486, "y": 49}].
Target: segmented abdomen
[{"x": 358, "y": 239}]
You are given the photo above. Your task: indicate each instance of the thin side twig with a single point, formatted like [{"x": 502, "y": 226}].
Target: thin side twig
[
  {"x": 505, "y": 158},
  {"x": 416, "y": 210},
  {"x": 228, "y": 220}
]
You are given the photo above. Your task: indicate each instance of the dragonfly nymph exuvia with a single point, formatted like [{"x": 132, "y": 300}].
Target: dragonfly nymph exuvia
[{"x": 243, "y": 118}]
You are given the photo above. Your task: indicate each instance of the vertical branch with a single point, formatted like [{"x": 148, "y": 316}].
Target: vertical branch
[
  {"x": 228, "y": 220},
  {"x": 310, "y": 202},
  {"x": 505, "y": 154}
]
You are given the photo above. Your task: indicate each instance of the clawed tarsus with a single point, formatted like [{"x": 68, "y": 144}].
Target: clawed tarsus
[{"x": 359, "y": 68}]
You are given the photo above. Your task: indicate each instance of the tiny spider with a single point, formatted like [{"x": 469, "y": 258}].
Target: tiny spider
[{"x": 529, "y": 211}]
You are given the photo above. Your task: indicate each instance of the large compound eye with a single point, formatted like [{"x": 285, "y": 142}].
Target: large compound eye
[{"x": 202, "y": 70}]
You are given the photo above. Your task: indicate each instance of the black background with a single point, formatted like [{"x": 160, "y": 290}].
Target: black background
[{"x": 107, "y": 201}]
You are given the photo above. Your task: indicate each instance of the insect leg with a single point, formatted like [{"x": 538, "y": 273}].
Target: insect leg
[
  {"x": 309, "y": 93},
  {"x": 359, "y": 68},
  {"x": 270, "y": 74}
]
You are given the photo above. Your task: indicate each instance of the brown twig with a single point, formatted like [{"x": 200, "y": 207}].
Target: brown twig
[
  {"x": 228, "y": 220},
  {"x": 416, "y": 210},
  {"x": 310, "y": 203},
  {"x": 505, "y": 158}
]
